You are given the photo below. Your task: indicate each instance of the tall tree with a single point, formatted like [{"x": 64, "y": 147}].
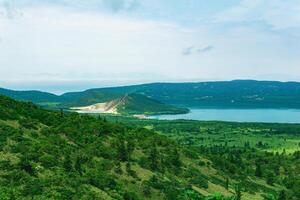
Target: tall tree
[
  {"x": 67, "y": 164},
  {"x": 153, "y": 158},
  {"x": 238, "y": 192},
  {"x": 258, "y": 170},
  {"x": 282, "y": 195}
]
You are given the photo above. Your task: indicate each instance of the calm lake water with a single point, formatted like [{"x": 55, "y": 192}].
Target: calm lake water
[{"x": 238, "y": 115}]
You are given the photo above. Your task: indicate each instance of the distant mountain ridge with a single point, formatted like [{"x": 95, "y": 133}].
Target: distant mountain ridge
[
  {"x": 220, "y": 94},
  {"x": 31, "y": 95},
  {"x": 97, "y": 102}
]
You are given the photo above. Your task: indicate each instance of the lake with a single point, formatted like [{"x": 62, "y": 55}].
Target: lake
[{"x": 238, "y": 115}]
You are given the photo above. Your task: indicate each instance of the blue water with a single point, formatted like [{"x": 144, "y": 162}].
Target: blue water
[{"x": 238, "y": 115}]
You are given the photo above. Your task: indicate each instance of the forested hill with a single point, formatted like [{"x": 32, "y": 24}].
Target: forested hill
[
  {"x": 52, "y": 155},
  {"x": 33, "y": 95},
  {"x": 222, "y": 94},
  {"x": 131, "y": 103}
]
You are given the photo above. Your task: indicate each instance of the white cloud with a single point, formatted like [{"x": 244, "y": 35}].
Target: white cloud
[
  {"x": 63, "y": 43},
  {"x": 284, "y": 14},
  {"x": 277, "y": 13},
  {"x": 60, "y": 40},
  {"x": 9, "y": 11},
  {"x": 239, "y": 13}
]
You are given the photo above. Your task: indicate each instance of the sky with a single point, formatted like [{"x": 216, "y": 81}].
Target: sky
[{"x": 67, "y": 45}]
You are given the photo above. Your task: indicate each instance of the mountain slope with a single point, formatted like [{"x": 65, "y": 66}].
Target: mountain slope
[
  {"x": 133, "y": 104},
  {"x": 97, "y": 101},
  {"x": 33, "y": 96},
  {"x": 140, "y": 104},
  {"x": 88, "y": 98},
  {"x": 47, "y": 155},
  {"x": 222, "y": 94},
  {"x": 232, "y": 94}
]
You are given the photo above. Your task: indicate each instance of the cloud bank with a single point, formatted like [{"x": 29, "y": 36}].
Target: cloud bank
[{"x": 173, "y": 39}]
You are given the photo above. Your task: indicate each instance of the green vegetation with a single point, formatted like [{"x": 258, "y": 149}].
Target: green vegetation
[
  {"x": 263, "y": 136},
  {"x": 129, "y": 103},
  {"x": 240, "y": 150},
  {"x": 33, "y": 96},
  {"x": 53, "y": 155},
  {"x": 222, "y": 94},
  {"x": 136, "y": 104},
  {"x": 140, "y": 104},
  {"x": 88, "y": 98}
]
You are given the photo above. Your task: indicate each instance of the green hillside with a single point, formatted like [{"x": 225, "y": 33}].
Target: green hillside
[
  {"x": 88, "y": 98},
  {"x": 51, "y": 155},
  {"x": 140, "y": 104},
  {"x": 125, "y": 103},
  {"x": 32, "y": 96},
  {"x": 222, "y": 94},
  {"x": 132, "y": 104}
]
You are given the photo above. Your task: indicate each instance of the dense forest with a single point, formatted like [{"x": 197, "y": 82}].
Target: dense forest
[
  {"x": 126, "y": 104},
  {"x": 227, "y": 94},
  {"x": 217, "y": 94},
  {"x": 60, "y": 155}
]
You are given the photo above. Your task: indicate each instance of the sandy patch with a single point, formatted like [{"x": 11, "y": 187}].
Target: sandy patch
[{"x": 107, "y": 107}]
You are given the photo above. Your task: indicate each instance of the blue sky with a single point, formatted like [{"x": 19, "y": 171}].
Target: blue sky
[{"x": 60, "y": 45}]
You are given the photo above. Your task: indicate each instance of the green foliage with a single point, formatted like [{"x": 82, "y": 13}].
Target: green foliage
[
  {"x": 140, "y": 104},
  {"x": 238, "y": 192},
  {"x": 258, "y": 170},
  {"x": 45, "y": 155},
  {"x": 153, "y": 158},
  {"x": 282, "y": 195},
  {"x": 54, "y": 156},
  {"x": 231, "y": 149},
  {"x": 196, "y": 178},
  {"x": 269, "y": 197},
  {"x": 225, "y": 94}
]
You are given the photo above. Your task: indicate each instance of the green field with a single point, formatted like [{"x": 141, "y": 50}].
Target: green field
[{"x": 263, "y": 136}]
